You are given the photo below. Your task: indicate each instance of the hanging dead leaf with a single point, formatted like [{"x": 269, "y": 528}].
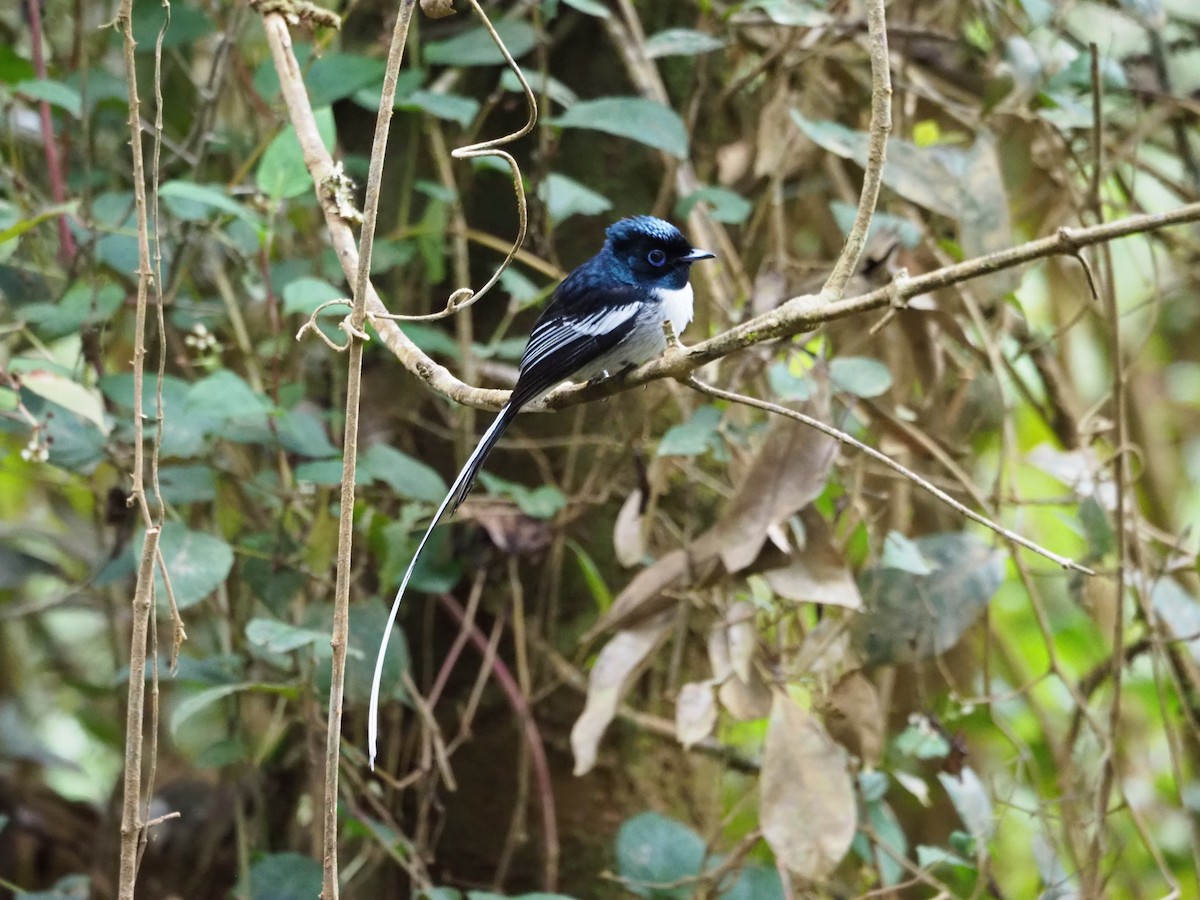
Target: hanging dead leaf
[
  {"x": 742, "y": 637},
  {"x": 807, "y": 805},
  {"x": 788, "y": 472},
  {"x": 614, "y": 671},
  {"x": 644, "y": 595},
  {"x": 695, "y": 713},
  {"x": 745, "y": 700},
  {"x": 629, "y": 541},
  {"x": 817, "y": 573},
  {"x": 512, "y": 531},
  {"x": 854, "y": 717}
]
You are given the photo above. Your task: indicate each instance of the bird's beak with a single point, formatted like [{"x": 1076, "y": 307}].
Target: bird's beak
[{"x": 698, "y": 254}]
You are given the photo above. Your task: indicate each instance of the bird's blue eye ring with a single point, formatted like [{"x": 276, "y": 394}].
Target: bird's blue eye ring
[{"x": 656, "y": 257}]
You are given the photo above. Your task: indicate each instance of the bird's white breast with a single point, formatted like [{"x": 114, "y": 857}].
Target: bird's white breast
[{"x": 677, "y": 306}]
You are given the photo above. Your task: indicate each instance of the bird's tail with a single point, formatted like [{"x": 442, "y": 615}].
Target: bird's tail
[{"x": 462, "y": 485}]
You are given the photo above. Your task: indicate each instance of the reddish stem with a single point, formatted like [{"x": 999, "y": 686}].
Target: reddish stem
[
  {"x": 537, "y": 752},
  {"x": 58, "y": 190}
]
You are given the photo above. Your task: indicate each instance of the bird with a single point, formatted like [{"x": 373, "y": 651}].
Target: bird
[{"x": 603, "y": 320}]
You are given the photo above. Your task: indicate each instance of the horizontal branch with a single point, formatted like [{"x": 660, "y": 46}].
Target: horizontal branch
[{"x": 805, "y": 313}]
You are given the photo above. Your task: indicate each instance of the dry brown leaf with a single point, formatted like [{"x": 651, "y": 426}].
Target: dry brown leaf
[
  {"x": 816, "y": 573},
  {"x": 745, "y": 700},
  {"x": 854, "y": 717},
  {"x": 825, "y": 648},
  {"x": 513, "y": 532},
  {"x": 788, "y": 472},
  {"x": 807, "y": 804},
  {"x": 438, "y": 9},
  {"x": 629, "y": 541},
  {"x": 615, "y": 670},
  {"x": 644, "y": 595},
  {"x": 742, "y": 637},
  {"x": 695, "y": 712}
]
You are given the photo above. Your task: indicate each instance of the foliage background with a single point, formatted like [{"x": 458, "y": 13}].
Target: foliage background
[{"x": 975, "y": 695}]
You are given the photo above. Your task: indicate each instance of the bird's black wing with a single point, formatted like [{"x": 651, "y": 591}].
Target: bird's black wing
[{"x": 583, "y": 323}]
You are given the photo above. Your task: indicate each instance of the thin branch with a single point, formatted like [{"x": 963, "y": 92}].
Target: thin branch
[
  {"x": 916, "y": 479},
  {"x": 880, "y": 128},
  {"x": 131, "y": 825},
  {"x": 285, "y": 62},
  {"x": 537, "y": 751}
]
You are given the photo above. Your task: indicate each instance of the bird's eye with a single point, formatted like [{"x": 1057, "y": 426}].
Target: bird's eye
[{"x": 656, "y": 257}]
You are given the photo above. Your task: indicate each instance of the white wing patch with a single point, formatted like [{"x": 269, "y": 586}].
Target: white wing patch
[
  {"x": 605, "y": 320},
  {"x": 677, "y": 306},
  {"x": 556, "y": 332}
]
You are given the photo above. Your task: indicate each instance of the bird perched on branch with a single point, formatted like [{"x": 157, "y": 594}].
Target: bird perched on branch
[{"x": 604, "y": 319}]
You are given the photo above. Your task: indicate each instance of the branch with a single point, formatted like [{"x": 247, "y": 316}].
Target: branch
[{"x": 912, "y": 476}]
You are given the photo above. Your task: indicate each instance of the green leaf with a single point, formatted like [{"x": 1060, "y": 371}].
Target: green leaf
[
  {"x": 366, "y": 627},
  {"x": 53, "y": 92},
  {"x": 971, "y": 799},
  {"x": 655, "y": 850},
  {"x": 451, "y": 107},
  {"x": 202, "y": 700},
  {"x": 338, "y": 75},
  {"x": 907, "y": 232},
  {"x": 635, "y": 118},
  {"x": 590, "y": 7},
  {"x": 755, "y": 882},
  {"x": 302, "y": 296},
  {"x": 326, "y": 472},
  {"x": 69, "y": 887},
  {"x": 1178, "y": 610},
  {"x": 787, "y": 384},
  {"x": 695, "y": 436},
  {"x": 198, "y": 563},
  {"x": 887, "y": 846},
  {"x": 537, "y": 503},
  {"x": 87, "y": 301},
  {"x": 225, "y": 395},
  {"x": 406, "y": 476},
  {"x": 281, "y": 171},
  {"x": 12, "y": 226},
  {"x": 13, "y": 67},
  {"x": 921, "y": 743},
  {"x": 724, "y": 205},
  {"x": 303, "y": 431},
  {"x": 901, "y": 553},
  {"x": 911, "y": 617},
  {"x": 565, "y": 197},
  {"x": 285, "y": 876},
  {"x": 540, "y": 84},
  {"x": 195, "y": 202},
  {"x": 792, "y": 12},
  {"x": 681, "y": 42},
  {"x": 69, "y": 394},
  {"x": 476, "y": 47},
  {"x": 188, "y": 24},
  {"x": 592, "y": 577},
  {"x": 280, "y": 637},
  {"x": 187, "y": 484},
  {"x": 860, "y": 375},
  {"x": 929, "y": 857}
]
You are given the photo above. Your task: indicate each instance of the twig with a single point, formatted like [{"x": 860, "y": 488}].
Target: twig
[
  {"x": 466, "y": 296},
  {"x": 916, "y": 479},
  {"x": 143, "y": 597},
  {"x": 285, "y": 62},
  {"x": 131, "y": 825},
  {"x": 54, "y": 172},
  {"x": 880, "y": 127},
  {"x": 537, "y": 752}
]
